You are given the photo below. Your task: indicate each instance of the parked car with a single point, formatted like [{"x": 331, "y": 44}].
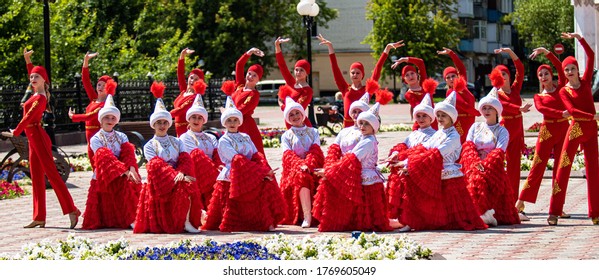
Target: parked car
[
  {"x": 269, "y": 90},
  {"x": 442, "y": 89}
]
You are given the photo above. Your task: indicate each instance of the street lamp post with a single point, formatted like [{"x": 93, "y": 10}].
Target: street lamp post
[
  {"x": 308, "y": 9},
  {"x": 47, "y": 63},
  {"x": 393, "y": 59}
]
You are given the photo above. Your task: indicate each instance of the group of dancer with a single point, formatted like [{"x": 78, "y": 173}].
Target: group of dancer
[{"x": 449, "y": 173}]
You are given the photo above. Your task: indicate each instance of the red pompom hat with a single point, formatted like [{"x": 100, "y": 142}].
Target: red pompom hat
[
  {"x": 449, "y": 70},
  {"x": 42, "y": 72},
  {"x": 198, "y": 72},
  {"x": 357, "y": 65},
  {"x": 503, "y": 68},
  {"x": 545, "y": 66},
  {"x": 257, "y": 69},
  {"x": 569, "y": 60},
  {"x": 104, "y": 78},
  {"x": 302, "y": 63}
]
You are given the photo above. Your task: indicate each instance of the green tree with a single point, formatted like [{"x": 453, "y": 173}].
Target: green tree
[
  {"x": 135, "y": 37},
  {"x": 426, "y": 26},
  {"x": 540, "y": 23}
]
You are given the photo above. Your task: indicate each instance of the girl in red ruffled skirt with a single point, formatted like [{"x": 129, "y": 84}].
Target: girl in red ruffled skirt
[
  {"x": 301, "y": 156},
  {"x": 351, "y": 195},
  {"x": 114, "y": 189},
  {"x": 246, "y": 195}
]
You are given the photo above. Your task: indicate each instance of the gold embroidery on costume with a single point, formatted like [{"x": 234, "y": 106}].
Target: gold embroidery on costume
[
  {"x": 575, "y": 132},
  {"x": 565, "y": 161},
  {"x": 247, "y": 100},
  {"x": 94, "y": 111},
  {"x": 536, "y": 160},
  {"x": 35, "y": 103},
  {"x": 544, "y": 134},
  {"x": 301, "y": 99},
  {"x": 556, "y": 188},
  {"x": 526, "y": 185},
  {"x": 569, "y": 90},
  {"x": 458, "y": 127}
]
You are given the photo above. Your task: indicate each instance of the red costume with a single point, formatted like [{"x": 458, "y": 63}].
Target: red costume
[
  {"x": 582, "y": 132},
  {"x": 183, "y": 102},
  {"x": 349, "y": 93},
  {"x": 293, "y": 179},
  {"x": 464, "y": 99},
  {"x": 163, "y": 205},
  {"x": 342, "y": 203},
  {"x": 40, "y": 157},
  {"x": 92, "y": 124},
  {"x": 432, "y": 203},
  {"x": 246, "y": 101},
  {"x": 396, "y": 183},
  {"x": 512, "y": 121},
  {"x": 112, "y": 198},
  {"x": 248, "y": 202},
  {"x": 415, "y": 97},
  {"x": 302, "y": 95},
  {"x": 206, "y": 170},
  {"x": 551, "y": 135},
  {"x": 489, "y": 189}
]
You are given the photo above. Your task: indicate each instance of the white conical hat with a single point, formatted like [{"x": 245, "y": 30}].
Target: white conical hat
[
  {"x": 492, "y": 100},
  {"x": 291, "y": 105},
  {"x": 230, "y": 111},
  {"x": 361, "y": 103},
  {"x": 160, "y": 113},
  {"x": 109, "y": 109},
  {"x": 197, "y": 108},
  {"x": 372, "y": 116},
  {"x": 448, "y": 106},
  {"x": 425, "y": 106}
]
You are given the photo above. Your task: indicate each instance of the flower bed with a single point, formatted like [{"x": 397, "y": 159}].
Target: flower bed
[
  {"x": 10, "y": 190},
  {"x": 80, "y": 163},
  {"x": 396, "y": 127},
  {"x": 275, "y": 247},
  {"x": 529, "y": 153}
]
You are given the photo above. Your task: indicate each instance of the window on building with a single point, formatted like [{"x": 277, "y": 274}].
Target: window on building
[{"x": 480, "y": 29}]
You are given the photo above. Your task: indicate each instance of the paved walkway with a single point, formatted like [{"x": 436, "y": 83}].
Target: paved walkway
[{"x": 574, "y": 238}]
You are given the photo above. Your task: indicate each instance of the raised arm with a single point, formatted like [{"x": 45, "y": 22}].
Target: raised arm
[
  {"x": 289, "y": 80},
  {"x": 459, "y": 65},
  {"x": 561, "y": 77},
  {"x": 181, "y": 79},
  {"x": 588, "y": 72},
  {"x": 342, "y": 85},
  {"x": 376, "y": 74},
  {"x": 85, "y": 79},
  {"x": 27, "y": 55}
]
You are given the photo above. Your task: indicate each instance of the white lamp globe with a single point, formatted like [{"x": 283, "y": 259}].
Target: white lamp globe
[
  {"x": 304, "y": 8},
  {"x": 314, "y": 10}
]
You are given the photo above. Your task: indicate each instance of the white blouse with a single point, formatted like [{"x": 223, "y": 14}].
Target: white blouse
[
  {"x": 230, "y": 145},
  {"x": 166, "y": 147},
  {"x": 111, "y": 140},
  {"x": 300, "y": 139},
  {"x": 419, "y": 136},
  {"x": 199, "y": 140},
  {"x": 447, "y": 141},
  {"x": 367, "y": 152},
  {"x": 348, "y": 138},
  {"x": 486, "y": 137}
]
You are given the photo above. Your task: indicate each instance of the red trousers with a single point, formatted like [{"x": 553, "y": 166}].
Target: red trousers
[
  {"x": 580, "y": 133},
  {"x": 514, "y": 152},
  {"x": 551, "y": 139},
  {"x": 463, "y": 124},
  {"x": 41, "y": 163}
]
